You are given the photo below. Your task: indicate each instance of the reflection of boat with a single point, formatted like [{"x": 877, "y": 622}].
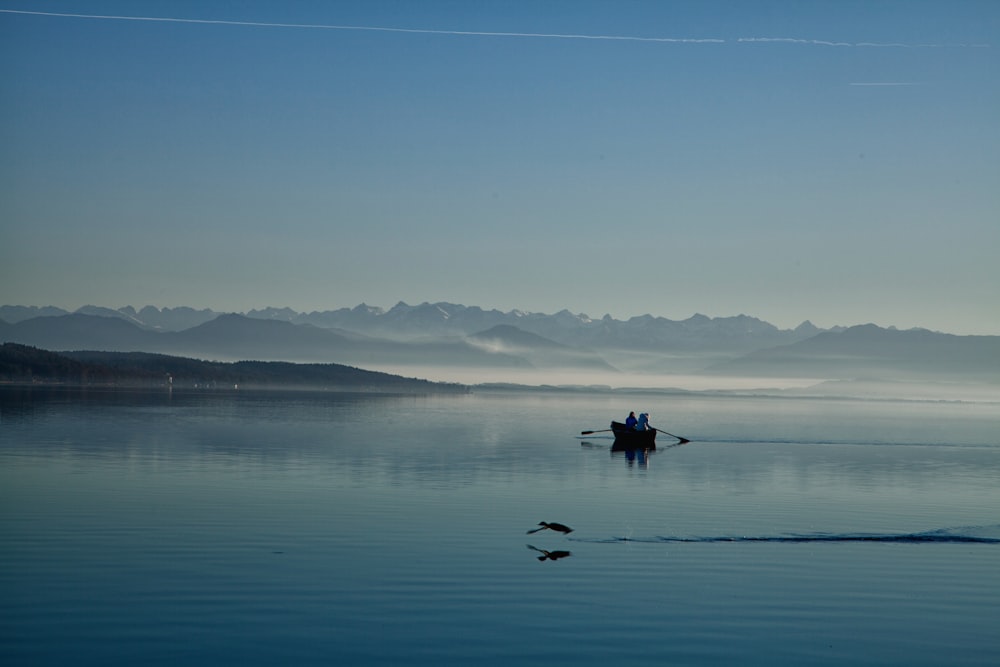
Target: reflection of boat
[
  {"x": 634, "y": 456},
  {"x": 627, "y": 438}
]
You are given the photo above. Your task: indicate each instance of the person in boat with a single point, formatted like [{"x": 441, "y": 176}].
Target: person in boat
[
  {"x": 631, "y": 421},
  {"x": 642, "y": 424}
]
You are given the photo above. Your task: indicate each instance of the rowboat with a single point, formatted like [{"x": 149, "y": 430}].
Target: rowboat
[{"x": 629, "y": 438}]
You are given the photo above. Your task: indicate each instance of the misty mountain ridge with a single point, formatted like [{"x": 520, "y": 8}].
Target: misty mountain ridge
[
  {"x": 869, "y": 351},
  {"x": 538, "y": 350},
  {"x": 739, "y": 333},
  {"x": 232, "y": 337}
]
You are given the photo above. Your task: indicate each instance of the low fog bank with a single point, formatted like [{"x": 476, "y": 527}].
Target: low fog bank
[
  {"x": 532, "y": 379},
  {"x": 975, "y": 392}
]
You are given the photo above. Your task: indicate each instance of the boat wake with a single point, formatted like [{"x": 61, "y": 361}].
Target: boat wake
[{"x": 989, "y": 535}]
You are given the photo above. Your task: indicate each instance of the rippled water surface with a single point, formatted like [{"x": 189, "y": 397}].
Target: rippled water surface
[{"x": 295, "y": 528}]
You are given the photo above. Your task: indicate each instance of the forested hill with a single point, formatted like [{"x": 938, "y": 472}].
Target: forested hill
[{"x": 24, "y": 364}]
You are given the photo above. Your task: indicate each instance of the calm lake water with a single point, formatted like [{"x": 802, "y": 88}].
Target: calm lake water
[{"x": 327, "y": 529}]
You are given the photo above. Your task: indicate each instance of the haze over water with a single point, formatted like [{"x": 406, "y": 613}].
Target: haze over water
[{"x": 319, "y": 528}]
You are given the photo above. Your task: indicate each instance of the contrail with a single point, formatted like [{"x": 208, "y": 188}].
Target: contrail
[
  {"x": 884, "y": 45},
  {"x": 479, "y": 33},
  {"x": 889, "y": 83},
  {"x": 320, "y": 26}
]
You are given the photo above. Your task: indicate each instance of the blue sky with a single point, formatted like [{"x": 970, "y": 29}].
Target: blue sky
[{"x": 831, "y": 161}]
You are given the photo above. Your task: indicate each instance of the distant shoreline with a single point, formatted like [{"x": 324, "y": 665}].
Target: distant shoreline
[
  {"x": 487, "y": 389},
  {"x": 22, "y": 365}
]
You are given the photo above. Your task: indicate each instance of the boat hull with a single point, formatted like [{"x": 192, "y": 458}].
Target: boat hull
[{"x": 626, "y": 438}]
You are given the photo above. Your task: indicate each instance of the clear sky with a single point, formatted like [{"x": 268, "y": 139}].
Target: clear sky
[{"x": 834, "y": 161}]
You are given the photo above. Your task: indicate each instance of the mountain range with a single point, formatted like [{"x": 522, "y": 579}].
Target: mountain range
[
  {"x": 449, "y": 335},
  {"x": 871, "y": 352},
  {"x": 437, "y": 320}
]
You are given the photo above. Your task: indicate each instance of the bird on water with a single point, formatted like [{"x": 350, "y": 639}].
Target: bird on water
[{"x": 558, "y": 527}]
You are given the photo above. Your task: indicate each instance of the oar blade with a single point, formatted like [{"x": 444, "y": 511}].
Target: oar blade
[{"x": 679, "y": 438}]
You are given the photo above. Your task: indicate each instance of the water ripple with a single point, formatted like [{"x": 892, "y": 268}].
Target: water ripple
[{"x": 942, "y": 536}]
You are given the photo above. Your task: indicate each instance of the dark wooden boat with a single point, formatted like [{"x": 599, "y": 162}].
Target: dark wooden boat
[{"x": 627, "y": 438}]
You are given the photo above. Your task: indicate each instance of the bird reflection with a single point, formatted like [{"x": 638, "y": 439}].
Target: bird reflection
[
  {"x": 549, "y": 555},
  {"x": 558, "y": 527}
]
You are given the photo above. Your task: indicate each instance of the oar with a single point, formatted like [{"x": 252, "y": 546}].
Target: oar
[
  {"x": 682, "y": 440},
  {"x": 603, "y": 430}
]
